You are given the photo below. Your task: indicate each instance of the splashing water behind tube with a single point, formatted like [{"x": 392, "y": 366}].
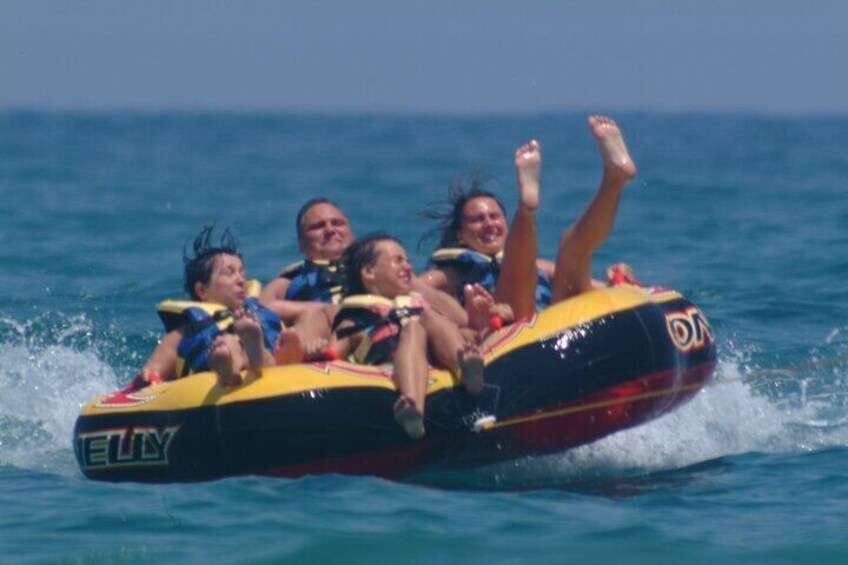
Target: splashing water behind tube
[{"x": 47, "y": 372}]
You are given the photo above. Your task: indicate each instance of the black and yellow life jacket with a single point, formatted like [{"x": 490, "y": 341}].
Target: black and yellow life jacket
[
  {"x": 204, "y": 321},
  {"x": 380, "y": 319},
  {"x": 472, "y": 267},
  {"x": 315, "y": 280}
]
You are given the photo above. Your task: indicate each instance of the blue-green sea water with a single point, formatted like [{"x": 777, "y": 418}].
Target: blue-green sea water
[{"x": 746, "y": 215}]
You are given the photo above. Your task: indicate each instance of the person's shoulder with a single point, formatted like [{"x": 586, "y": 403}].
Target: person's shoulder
[
  {"x": 438, "y": 277},
  {"x": 292, "y": 270},
  {"x": 274, "y": 290}
]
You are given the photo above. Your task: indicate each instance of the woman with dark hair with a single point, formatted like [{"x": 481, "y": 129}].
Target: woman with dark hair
[
  {"x": 477, "y": 248},
  {"x": 222, "y": 328},
  {"x": 383, "y": 321}
]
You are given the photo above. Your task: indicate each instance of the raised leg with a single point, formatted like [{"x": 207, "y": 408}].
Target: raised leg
[
  {"x": 517, "y": 283},
  {"x": 573, "y": 270}
]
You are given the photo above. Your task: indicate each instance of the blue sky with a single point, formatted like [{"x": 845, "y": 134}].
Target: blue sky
[{"x": 436, "y": 56}]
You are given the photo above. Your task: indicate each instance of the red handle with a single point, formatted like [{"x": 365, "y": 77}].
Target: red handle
[
  {"x": 496, "y": 323},
  {"x": 331, "y": 354}
]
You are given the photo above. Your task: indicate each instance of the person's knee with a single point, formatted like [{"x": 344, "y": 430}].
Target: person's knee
[{"x": 414, "y": 331}]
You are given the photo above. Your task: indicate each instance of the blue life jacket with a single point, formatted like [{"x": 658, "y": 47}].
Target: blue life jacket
[
  {"x": 472, "y": 267},
  {"x": 315, "y": 281},
  {"x": 203, "y": 322}
]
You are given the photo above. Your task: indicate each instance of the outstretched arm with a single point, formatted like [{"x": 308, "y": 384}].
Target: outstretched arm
[
  {"x": 163, "y": 360},
  {"x": 273, "y": 297}
]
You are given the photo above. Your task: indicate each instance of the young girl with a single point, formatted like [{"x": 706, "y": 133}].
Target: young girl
[{"x": 380, "y": 322}]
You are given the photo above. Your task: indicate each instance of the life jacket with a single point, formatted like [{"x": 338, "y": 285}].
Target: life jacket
[
  {"x": 203, "y": 322},
  {"x": 472, "y": 267},
  {"x": 380, "y": 319},
  {"x": 318, "y": 281}
]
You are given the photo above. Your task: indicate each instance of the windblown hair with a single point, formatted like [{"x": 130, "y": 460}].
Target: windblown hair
[
  {"x": 305, "y": 208},
  {"x": 198, "y": 265},
  {"x": 363, "y": 253},
  {"x": 447, "y": 214}
]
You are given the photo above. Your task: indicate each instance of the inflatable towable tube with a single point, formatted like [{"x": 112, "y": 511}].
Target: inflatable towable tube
[{"x": 598, "y": 363}]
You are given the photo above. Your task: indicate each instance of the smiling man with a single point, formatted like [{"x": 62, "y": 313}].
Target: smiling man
[{"x": 323, "y": 235}]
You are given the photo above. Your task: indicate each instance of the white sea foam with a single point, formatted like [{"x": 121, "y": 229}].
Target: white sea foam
[
  {"x": 43, "y": 389},
  {"x": 728, "y": 417}
]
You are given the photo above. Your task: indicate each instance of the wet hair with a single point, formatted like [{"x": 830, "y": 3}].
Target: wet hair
[
  {"x": 447, "y": 214},
  {"x": 305, "y": 208},
  {"x": 362, "y": 253},
  {"x": 198, "y": 265}
]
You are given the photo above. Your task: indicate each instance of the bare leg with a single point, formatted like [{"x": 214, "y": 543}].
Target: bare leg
[
  {"x": 308, "y": 338},
  {"x": 444, "y": 338},
  {"x": 453, "y": 351},
  {"x": 410, "y": 376},
  {"x": 316, "y": 323},
  {"x": 292, "y": 349},
  {"x": 517, "y": 283},
  {"x": 573, "y": 271}
]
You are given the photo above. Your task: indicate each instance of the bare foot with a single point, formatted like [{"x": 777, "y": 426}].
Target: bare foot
[
  {"x": 315, "y": 349},
  {"x": 289, "y": 349},
  {"x": 471, "y": 367},
  {"x": 528, "y": 163},
  {"x": 409, "y": 417},
  {"x": 247, "y": 327},
  {"x": 292, "y": 348},
  {"x": 478, "y": 304},
  {"x": 221, "y": 360},
  {"x": 484, "y": 314},
  {"x": 617, "y": 161}
]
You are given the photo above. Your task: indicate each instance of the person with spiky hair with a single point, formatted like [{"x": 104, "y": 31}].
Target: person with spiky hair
[{"x": 222, "y": 328}]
